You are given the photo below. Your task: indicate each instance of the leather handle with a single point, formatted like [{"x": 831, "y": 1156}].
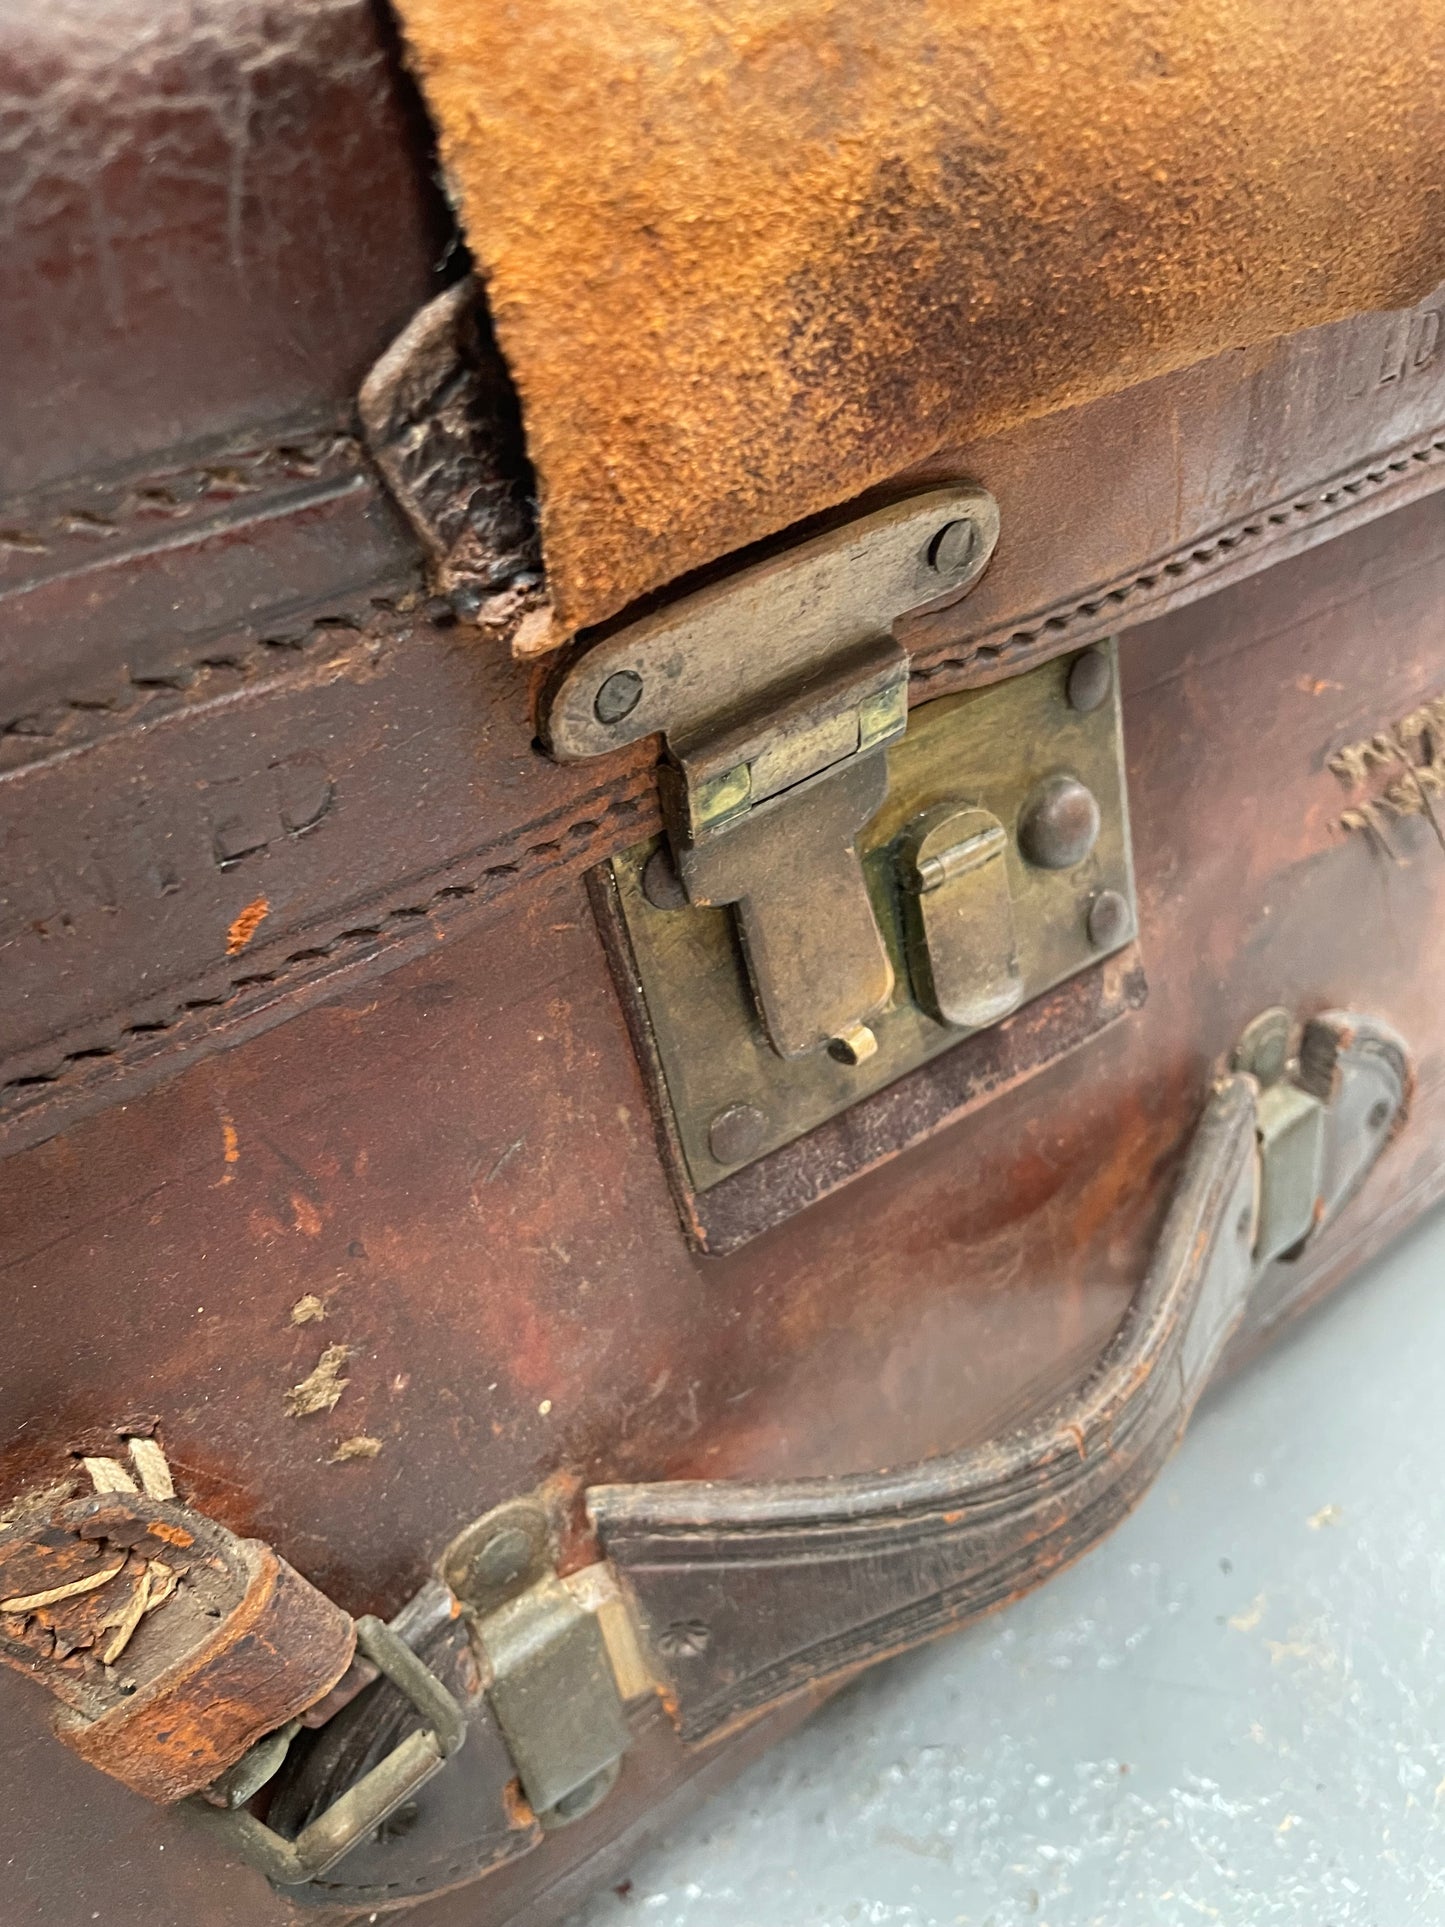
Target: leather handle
[
  {"x": 748, "y": 1593},
  {"x": 751, "y": 1592}
]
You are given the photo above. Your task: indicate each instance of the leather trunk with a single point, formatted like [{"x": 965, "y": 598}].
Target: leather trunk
[{"x": 334, "y": 1159}]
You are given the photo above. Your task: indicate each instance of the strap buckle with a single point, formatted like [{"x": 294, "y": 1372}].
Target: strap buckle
[{"x": 363, "y": 1807}]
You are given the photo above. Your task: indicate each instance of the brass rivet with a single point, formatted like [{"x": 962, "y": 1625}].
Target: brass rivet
[
  {"x": 1264, "y": 1049},
  {"x": 504, "y": 1558},
  {"x": 661, "y": 884},
  {"x": 1108, "y": 920},
  {"x": 618, "y": 696},
  {"x": 951, "y": 550},
  {"x": 1059, "y": 824},
  {"x": 1091, "y": 677},
  {"x": 737, "y": 1133}
]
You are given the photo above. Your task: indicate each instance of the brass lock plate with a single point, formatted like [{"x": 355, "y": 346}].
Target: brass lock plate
[{"x": 975, "y": 877}]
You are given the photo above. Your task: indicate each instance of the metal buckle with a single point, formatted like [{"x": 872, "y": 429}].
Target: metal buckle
[{"x": 363, "y": 1807}]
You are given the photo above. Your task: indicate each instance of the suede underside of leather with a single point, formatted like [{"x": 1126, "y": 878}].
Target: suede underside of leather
[{"x": 748, "y": 258}]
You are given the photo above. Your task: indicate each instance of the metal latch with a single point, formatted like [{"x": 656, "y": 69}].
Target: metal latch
[
  {"x": 997, "y": 868},
  {"x": 963, "y": 948},
  {"x": 778, "y": 692}
]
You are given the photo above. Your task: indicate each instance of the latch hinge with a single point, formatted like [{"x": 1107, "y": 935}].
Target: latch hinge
[{"x": 778, "y": 691}]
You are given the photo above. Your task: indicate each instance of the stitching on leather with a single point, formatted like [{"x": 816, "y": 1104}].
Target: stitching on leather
[
  {"x": 387, "y": 926},
  {"x": 188, "y": 678},
  {"x": 188, "y": 681},
  {"x": 424, "y": 1882},
  {"x": 246, "y": 658},
  {"x": 1185, "y": 562},
  {"x": 174, "y": 494}
]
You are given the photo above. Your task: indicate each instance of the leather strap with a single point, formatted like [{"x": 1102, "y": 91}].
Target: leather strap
[
  {"x": 465, "y": 1823},
  {"x": 171, "y": 1644}
]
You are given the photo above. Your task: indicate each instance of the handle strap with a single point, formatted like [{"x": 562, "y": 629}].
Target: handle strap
[{"x": 718, "y": 1598}]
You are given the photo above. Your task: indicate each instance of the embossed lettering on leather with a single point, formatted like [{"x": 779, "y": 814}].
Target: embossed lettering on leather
[
  {"x": 214, "y": 865},
  {"x": 748, "y": 260}
]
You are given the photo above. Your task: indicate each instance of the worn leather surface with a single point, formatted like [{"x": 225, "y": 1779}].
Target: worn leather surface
[
  {"x": 242, "y": 768},
  {"x": 747, "y": 260},
  {"x": 754, "y": 1593},
  {"x": 212, "y": 218},
  {"x": 456, "y": 1159},
  {"x": 447, "y": 1142},
  {"x": 755, "y": 1590}
]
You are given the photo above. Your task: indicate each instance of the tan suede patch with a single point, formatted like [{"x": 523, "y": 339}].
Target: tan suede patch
[{"x": 750, "y": 257}]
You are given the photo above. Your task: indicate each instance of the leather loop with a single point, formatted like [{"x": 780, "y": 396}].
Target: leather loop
[{"x": 172, "y": 1644}]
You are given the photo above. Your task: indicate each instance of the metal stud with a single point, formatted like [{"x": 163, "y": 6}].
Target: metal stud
[
  {"x": 1108, "y": 921},
  {"x": 618, "y": 696},
  {"x": 1059, "y": 824},
  {"x": 737, "y": 1133},
  {"x": 1090, "y": 679}
]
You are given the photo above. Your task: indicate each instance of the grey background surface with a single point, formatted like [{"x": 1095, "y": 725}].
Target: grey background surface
[{"x": 1231, "y": 1711}]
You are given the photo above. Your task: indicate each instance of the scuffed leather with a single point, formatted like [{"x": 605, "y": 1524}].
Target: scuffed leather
[
  {"x": 213, "y": 213},
  {"x": 748, "y": 259}
]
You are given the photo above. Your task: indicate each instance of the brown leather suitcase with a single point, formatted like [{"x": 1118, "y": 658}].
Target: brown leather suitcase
[{"x": 695, "y": 909}]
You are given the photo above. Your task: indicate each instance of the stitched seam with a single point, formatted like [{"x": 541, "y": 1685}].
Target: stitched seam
[
  {"x": 175, "y": 494},
  {"x": 1377, "y": 475},
  {"x": 188, "y": 681},
  {"x": 389, "y": 925},
  {"x": 475, "y": 1862}
]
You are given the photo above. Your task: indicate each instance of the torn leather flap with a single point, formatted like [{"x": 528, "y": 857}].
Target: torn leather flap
[
  {"x": 171, "y": 1644},
  {"x": 747, "y": 259}
]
